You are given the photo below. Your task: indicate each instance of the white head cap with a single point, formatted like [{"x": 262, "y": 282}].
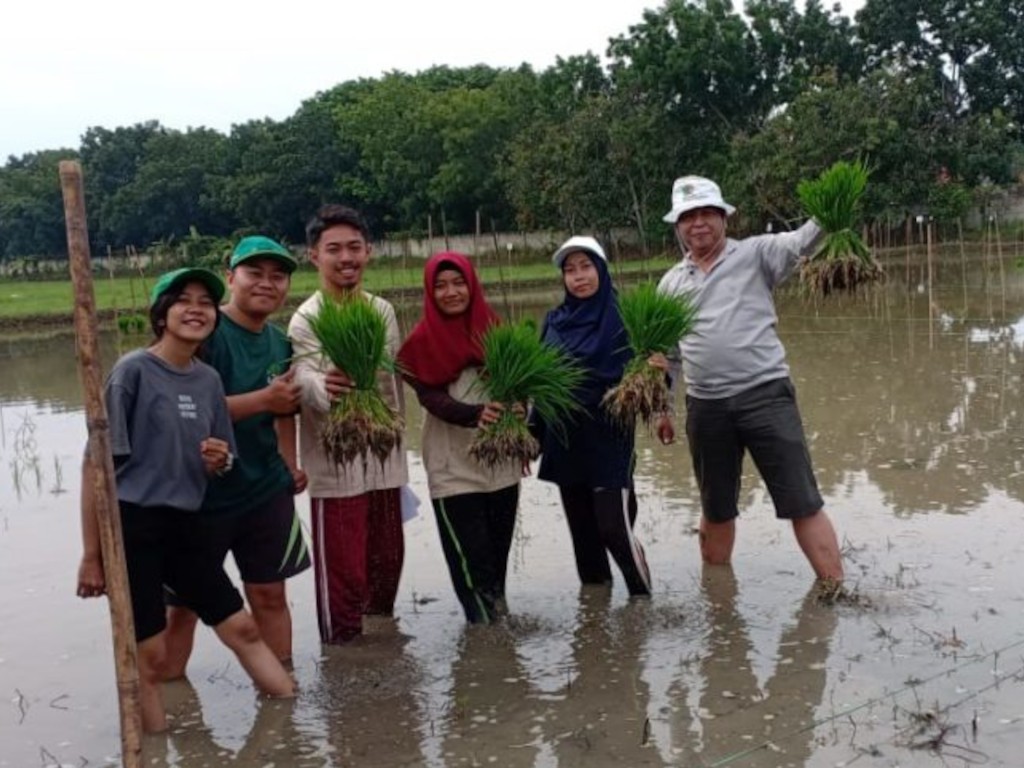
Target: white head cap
[
  {"x": 578, "y": 243},
  {"x": 689, "y": 192}
]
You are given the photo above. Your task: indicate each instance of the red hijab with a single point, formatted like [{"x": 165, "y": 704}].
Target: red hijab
[{"x": 440, "y": 347}]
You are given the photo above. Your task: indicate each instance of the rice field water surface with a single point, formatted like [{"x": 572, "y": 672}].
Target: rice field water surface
[{"x": 916, "y": 428}]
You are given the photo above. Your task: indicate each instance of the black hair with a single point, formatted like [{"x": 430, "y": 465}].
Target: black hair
[
  {"x": 334, "y": 215},
  {"x": 450, "y": 265},
  {"x": 158, "y": 311}
]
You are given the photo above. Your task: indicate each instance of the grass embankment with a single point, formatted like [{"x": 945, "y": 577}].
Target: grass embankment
[{"x": 26, "y": 304}]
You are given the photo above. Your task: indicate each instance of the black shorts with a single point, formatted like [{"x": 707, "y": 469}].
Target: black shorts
[
  {"x": 161, "y": 548},
  {"x": 267, "y": 542},
  {"x": 766, "y": 422}
]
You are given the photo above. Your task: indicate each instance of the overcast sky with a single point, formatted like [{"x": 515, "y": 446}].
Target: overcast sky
[{"x": 66, "y": 66}]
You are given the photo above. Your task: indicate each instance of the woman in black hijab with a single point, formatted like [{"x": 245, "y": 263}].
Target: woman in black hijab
[{"x": 591, "y": 459}]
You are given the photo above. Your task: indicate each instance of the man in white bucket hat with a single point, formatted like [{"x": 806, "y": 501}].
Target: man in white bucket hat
[{"x": 739, "y": 397}]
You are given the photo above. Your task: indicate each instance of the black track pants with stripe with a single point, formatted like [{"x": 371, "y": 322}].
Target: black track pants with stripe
[
  {"x": 476, "y": 536},
  {"x": 601, "y": 522}
]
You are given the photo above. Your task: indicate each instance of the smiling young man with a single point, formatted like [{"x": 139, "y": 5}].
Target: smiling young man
[
  {"x": 358, "y": 547},
  {"x": 251, "y": 511},
  {"x": 739, "y": 397}
]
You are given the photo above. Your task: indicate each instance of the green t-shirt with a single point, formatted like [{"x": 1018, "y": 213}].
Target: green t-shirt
[{"x": 247, "y": 361}]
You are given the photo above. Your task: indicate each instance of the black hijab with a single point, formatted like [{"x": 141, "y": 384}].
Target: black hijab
[{"x": 591, "y": 331}]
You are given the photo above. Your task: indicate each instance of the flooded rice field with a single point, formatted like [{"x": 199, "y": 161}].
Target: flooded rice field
[{"x": 916, "y": 428}]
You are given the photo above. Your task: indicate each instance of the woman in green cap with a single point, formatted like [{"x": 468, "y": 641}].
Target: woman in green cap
[{"x": 169, "y": 432}]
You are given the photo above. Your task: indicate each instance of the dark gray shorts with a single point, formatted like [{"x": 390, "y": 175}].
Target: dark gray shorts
[
  {"x": 766, "y": 422},
  {"x": 267, "y": 541}
]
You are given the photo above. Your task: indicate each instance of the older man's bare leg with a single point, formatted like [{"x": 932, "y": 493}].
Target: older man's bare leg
[
  {"x": 817, "y": 539},
  {"x": 716, "y": 541}
]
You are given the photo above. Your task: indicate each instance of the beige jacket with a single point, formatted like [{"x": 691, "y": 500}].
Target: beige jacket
[
  {"x": 451, "y": 471},
  {"x": 327, "y": 479}
]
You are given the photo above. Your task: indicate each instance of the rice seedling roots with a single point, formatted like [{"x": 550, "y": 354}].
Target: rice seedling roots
[
  {"x": 642, "y": 394},
  {"x": 506, "y": 440},
  {"x": 840, "y": 274},
  {"x": 359, "y": 424}
]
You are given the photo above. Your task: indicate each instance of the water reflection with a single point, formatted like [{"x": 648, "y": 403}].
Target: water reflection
[
  {"x": 935, "y": 428},
  {"x": 273, "y": 736},
  {"x": 489, "y": 703},
  {"x": 603, "y": 719},
  {"x": 364, "y": 700},
  {"x": 736, "y": 712}
]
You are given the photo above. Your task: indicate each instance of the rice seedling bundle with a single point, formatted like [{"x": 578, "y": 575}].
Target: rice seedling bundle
[
  {"x": 654, "y": 322},
  {"x": 842, "y": 262},
  {"x": 519, "y": 368},
  {"x": 353, "y": 336}
]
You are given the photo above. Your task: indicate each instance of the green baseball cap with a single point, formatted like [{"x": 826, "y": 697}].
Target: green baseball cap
[
  {"x": 170, "y": 281},
  {"x": 260, "y": 247}
]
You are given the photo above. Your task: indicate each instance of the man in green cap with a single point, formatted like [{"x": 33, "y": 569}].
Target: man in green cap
[{"x": 251, "y": 511}]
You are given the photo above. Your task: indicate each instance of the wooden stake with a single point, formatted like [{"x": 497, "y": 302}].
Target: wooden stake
[
  {"x": 476, "y": 235},
  {"x": 963, "y": 260},
  {"x": 501, "y": 273},
  {"x": 1002, "y": 267},
  {"x": 931, "y": 283},
  {"x": 100, "y": 465}
]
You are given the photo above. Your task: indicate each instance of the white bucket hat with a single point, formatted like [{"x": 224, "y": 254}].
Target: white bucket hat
[
  {"x": 578, "y": 243},
  {"x": 689, "y": 192}
]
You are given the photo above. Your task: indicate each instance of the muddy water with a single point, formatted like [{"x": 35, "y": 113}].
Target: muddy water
[{"x": 916, "y": 431}]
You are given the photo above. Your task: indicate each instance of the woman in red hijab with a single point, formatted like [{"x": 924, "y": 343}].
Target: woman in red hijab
[{"x": 475, "y": 505}]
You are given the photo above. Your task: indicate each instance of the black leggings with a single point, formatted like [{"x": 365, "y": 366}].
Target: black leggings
[
  {"x": 476, "y": 536},
  {"x": 601, "y": 522}
]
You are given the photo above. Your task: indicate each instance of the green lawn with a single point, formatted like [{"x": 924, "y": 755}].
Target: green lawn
[{"x": 24, "y": 299}]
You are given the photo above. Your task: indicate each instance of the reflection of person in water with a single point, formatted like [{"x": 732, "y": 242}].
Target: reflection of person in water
[
  {"x": 603, "y": 718},
  {"x": 735, "y": 712},
  {"x": 489, "y": 720},
  {"x": 273, "y": 737},
  {"x": 368, "y": 701}
]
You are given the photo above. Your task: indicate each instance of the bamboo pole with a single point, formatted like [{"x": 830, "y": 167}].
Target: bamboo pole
[
  {"x": 909, "y": 237},
  {"x": 99, "y": 468},
  {"x": 963, "y": 260},
  {"x": 931, "y": 282},
  {"x": 501, "y": 273},
  {"x": 988, "y": 266},
  {"x": 1002, "y": 268},
  {"x": 476, "y": 235}
]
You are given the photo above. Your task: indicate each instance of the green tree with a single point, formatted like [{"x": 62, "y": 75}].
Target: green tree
[
  {"x": 110, "y": 160},
  {"x": 31, "y": 207},
  {"x": 901, "y": 125},
  {"x": 171, "y": 191},
  {"x": 280, "y": 172},
  {"x": 975, "y": 48}
]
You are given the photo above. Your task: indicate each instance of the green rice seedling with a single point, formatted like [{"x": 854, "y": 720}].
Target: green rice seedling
[
  {"x": 518, "y": 368},
  {"x": 132, "y": 324},
  {"x": 353, "y": 336},
  {"x": 843, "y": 262},
  {"x": 654, "y": 322}
]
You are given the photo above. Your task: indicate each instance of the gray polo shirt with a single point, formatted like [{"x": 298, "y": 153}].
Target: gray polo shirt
[
  {"x": 159, "y": 415},
  {"x": 734, "y": 345}
]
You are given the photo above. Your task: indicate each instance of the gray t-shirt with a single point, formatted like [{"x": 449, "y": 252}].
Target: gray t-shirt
[
  {"x": 734, "y": 345},
  {"x": 159, "y": 415}
]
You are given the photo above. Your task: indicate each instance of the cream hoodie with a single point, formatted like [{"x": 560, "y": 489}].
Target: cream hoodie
[
  {"x": 451, "y": 471},
  {"x": 327, "y": 479}
]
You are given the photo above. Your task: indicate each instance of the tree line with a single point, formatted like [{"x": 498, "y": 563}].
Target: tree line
[{"x": 930, "y": 93}]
